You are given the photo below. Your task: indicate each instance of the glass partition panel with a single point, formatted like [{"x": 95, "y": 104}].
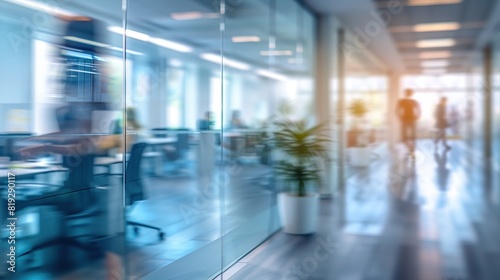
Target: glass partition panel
[
  {"x": 174, "y": 108},
  {"x": 268, "y": 47},
  {"x": 61, "y": 88},
  {"x": 135, "y": 134},
  {"x": 366, "y": 111},
  {"x": 245, "y": 169},
  {"x": 495, "y": 158}
]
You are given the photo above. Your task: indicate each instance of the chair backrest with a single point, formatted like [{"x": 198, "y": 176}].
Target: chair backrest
[
  {"x": 79, "y": 184},
  {"x": 134, "y": 189},
  {"x": 182, "y": 141}
]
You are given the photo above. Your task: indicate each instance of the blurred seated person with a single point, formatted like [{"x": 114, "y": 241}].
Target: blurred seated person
[
  {"x": 132, "y": 131},
  {"x": 207, "y": 123},
  {"x": 236, "y": 121},
  {"x": 74, "y": 139}
]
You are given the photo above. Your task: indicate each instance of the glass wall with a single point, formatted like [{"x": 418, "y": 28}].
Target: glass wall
[
  {"x": 134, "y": 133},
  {"x": 366, "y": 95}
]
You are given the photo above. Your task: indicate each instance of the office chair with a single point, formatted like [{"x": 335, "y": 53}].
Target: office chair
[
  {"x": 177, "y": 156},
  {"x": 134, "y": 189},
  {"x": 77, "y": 200}
]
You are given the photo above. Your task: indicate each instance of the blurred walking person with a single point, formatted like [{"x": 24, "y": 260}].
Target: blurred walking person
[
  {"x": 441, "y": 124},
  {"x": 408, "y": 112}
]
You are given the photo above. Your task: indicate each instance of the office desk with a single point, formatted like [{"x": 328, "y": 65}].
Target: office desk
[
  {"x": 155, "y": 155},
  {"x": 243, "y": 143},
  {"x": 29, "y": 171}
]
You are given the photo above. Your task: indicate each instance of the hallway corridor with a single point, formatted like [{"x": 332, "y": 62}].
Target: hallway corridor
[{"x": 428, "y": 221}]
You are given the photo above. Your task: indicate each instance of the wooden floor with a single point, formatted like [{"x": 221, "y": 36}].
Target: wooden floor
[
  {"x": 434, "y": 219},
  {"x": 431, "y": 219}
]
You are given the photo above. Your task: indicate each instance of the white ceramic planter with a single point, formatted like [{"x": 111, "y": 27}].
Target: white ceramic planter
[
  {"x": 360, "y": 156},
  {"x": 298, "y": 214}
]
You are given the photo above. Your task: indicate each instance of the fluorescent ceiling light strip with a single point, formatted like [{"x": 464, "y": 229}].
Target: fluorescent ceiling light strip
[
  {"x": 128, "y": 51},
  {"x": 193, "y": 15},
  {"x": 245, "y": 39},
  {"x": 276, "y": 53},
  {"x": 97, "y": 44},
  {"x": 438, "y": 43},
  {"x": 157, "y": 41},
  {"x": 434, "y": 55},
  {"x": 42, "y": 7},
  {"x": 434, "y": 27},
  {"x": 432, "y": 2},
  {"x": 85, "y": 41},
  {"x": 272, "y": 75},
  {"x": 435, "y": 63},
  {"x": 130, "y": 33},
  {"x": 171, "y": 45},
  {"x": 227, "y": 61}
]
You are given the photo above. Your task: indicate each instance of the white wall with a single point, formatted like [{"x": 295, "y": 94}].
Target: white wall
[{"x": 15, "y": 71}]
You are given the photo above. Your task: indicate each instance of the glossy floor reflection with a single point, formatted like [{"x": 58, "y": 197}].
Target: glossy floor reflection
[{"x": 428, "y": 219}]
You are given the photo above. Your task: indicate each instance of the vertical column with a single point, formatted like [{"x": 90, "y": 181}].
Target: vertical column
[
  {"x": 340, "y": 126},
  {"x": 488, "y": 115},
  {"x": 203, "y": 88},
  {"x": 470, "y": 106},
  {"x": 325, "y": 72},
  {"x": 341, "y": 112},
  {"x": 393, "y": 127}
]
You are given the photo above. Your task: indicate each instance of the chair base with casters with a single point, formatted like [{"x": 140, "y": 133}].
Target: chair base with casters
[
  {"x": 134, "y": 189},
  {"x": 136, "y": 225}
]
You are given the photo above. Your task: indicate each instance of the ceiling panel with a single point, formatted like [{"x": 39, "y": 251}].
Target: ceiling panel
[{"x": 472, "y": 15}]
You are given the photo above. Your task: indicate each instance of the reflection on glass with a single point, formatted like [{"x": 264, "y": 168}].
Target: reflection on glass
[
  {"x": 143, "y": 161},
  {"x": 65, "y": 206}
]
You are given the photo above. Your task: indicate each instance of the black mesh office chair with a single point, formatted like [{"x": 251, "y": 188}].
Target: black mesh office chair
[{"x": 134, "y": 189}]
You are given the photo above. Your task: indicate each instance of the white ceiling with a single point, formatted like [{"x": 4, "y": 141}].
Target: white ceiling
[
  {"x": 358, "y": 13},
  {"x": 242, "y": 18},
  {"x": 397, "y": 49}
]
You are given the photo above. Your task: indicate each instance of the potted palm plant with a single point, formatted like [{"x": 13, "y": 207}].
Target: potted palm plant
[
  {"x": 303, "y": 147},
  {"x": 360, "y": 152}
]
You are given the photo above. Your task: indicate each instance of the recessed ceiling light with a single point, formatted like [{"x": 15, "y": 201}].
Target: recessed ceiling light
[
  {"x": 245, "y": 39},
  {"x": 438, "y": 43},
  {"x": 171, "y": 45},
  {"x": 432, "y": 2},
  {"x": 433, "y": 27},
  {"x": 434, "y": 71},
  {"x": 227, "y": 61},
  {"x": 434, "y": 63},
  {"x": 272, "y": 75},
  {"x": 193, "y": 15},
  {"x": 130, "y": 33},
  {"x": 276, "y": 53},
  {"x": 434, "y": 55}
]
